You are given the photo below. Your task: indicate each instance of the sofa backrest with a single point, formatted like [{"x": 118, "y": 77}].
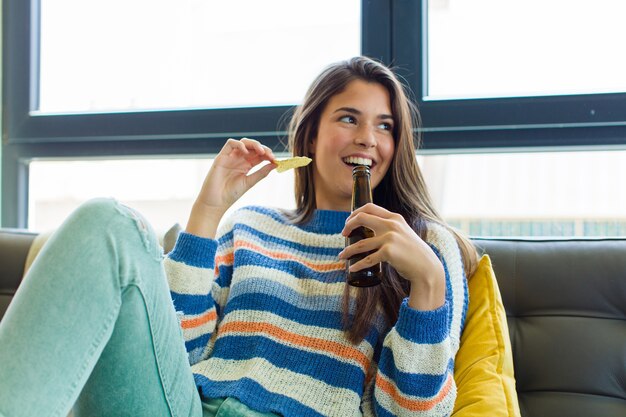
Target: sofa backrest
[{"x": 566, "y": 308}]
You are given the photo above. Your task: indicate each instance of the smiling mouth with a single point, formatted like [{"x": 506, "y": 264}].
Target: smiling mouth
[{"x": 355, "y": 161}]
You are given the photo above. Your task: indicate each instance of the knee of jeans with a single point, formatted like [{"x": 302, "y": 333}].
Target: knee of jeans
[
  {"x": 146, "y": 232},
  {"x": 101, "y": 208},
  {"x": 95, "y": 209}
]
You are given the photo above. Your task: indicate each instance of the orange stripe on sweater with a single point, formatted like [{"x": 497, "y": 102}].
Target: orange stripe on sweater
[
  {"x": 224, "y": 259},
  {"x": 198, "y": 321},
  {"x": 335, "y": 348},
  {"x": 227, "y": 259},
  {"x": 413, "y": 405},
  {"x": 335, "y": 266}
]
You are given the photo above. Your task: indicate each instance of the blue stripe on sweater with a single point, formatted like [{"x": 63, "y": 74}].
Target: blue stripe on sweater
[
  {"x": 423, "y": 326},
  {"x": 327, "y": 319},
  {"x": 449, "y": 289},
  {"x": 422, "y": 385},
  {"x": 275, "y": 305},
  {"x": 268, "y": 287},
  {"x": 326, "y": 222},
  {"x": 252, "y": 286},
  {"x": 224, "y": 275},
  {"x": 295, "y": 268},
  {"x": 449, "y": 295},
  {"x": 300, "y": 361},
  {"x": 248, "y": 257},
  {"x": 254, "y": 396},
  {"x": 465, "y": 302},
  {"x": 266, "y": 211},
  {"x": 194, "y": 251},
  {"x": 197, "y": 343},
  {"x": 193, "y": 304},
  {"x": 281, "y": 244}
]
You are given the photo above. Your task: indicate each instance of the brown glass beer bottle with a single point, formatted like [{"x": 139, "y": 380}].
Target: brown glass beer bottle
[{"x": 361, "y": 195}]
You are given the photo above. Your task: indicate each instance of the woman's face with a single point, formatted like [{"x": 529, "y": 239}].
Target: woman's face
[{"x": 356, "y": 127}]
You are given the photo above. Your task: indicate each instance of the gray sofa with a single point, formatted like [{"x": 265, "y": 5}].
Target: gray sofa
[{"x": 566, "y": 307}]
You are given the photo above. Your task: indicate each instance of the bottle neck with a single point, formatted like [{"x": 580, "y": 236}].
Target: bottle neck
[{"x": 361, "y": 188}]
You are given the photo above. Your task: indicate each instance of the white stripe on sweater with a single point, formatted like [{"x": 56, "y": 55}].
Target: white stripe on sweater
[{"x": 340, "y": 402}]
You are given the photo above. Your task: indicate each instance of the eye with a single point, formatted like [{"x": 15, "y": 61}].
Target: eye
[
  {"x": 386, "y": 126},
  {"x": 348, "y": 119}
]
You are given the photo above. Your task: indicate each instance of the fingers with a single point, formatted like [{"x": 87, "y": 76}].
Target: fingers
[
  {"x": 363, "y": 245},
  {"x": 247, "y": 146},
  {"x": 392, "y": 236},
  {"x": 373, "y": 209},
  {"x": 258, "y": 175},
  {"x": 369, "y": 260},
  {"x": 373, "y": 217},
  {"x": 375, "y": 245},
  {"x": 259, "y": 148},
  {"x": 242, "y": 156}
]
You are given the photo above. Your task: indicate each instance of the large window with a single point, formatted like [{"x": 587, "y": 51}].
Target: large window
[{"x": 523, "y": 102}]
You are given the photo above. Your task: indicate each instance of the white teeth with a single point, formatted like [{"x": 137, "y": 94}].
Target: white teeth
[{"x": 358, "y": 161}]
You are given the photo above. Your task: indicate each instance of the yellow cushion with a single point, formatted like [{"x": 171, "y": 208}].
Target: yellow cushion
[
  {"x": 484, "y": 363},
  {"x": 35, "y": 248}
]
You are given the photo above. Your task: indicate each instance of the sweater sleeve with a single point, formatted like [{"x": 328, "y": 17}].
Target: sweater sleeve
[
  {"x": 416, "y": 365},
  {"x": 198, "y": 272}
]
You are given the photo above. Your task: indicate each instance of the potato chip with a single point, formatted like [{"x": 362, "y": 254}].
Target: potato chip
[{"x": 289, "y": 163}]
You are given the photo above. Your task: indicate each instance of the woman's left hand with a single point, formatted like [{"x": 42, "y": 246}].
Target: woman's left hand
[{"x": 396, "y": 243}]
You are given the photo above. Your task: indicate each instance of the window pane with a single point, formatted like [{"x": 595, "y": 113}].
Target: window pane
[
  {"x": 498, "y": 194},
  {"x": 163, "y": 190},
  {"x": 495, "y": 48},
  {"x": 125, "y": 55},
  {"x": 530, "y": 194}
]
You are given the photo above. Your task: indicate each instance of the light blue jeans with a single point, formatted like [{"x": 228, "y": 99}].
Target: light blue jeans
[{"x": 93, "y": 325}]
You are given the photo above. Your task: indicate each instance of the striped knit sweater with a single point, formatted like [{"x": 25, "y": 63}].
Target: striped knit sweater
[{"x": 260, "y": 310}]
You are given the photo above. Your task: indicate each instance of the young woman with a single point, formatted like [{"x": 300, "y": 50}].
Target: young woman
[{"x": 262, "y": 312}]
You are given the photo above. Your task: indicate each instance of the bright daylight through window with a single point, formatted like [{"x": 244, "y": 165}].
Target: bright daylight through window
[
  {"x": 119, "y": 55},
  {"x": 495, "y": 48}
]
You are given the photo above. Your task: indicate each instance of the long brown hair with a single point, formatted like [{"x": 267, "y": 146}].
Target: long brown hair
[{"x": 402, "y": 189}]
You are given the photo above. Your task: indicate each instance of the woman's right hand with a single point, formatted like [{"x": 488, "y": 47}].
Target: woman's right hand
[{"x": 227, "y": 180}]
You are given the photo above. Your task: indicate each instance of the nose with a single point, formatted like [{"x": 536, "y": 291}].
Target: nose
[{"x": 365, "y": 136}]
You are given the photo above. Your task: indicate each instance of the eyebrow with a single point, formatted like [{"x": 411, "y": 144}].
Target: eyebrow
[{"x": 359, "y": 112}]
